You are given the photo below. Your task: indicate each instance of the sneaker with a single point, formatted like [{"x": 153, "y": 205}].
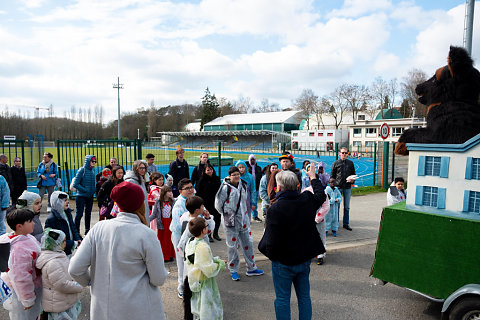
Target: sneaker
[
  {"x": 235, "y": 276},
  {"x": 256, "y": 272},
  {"x": 319, "y": 261},
  {"x": 334, "y": 233},
  {"x": 210, "y": 238},
  {"x": 180, "y": 295},
  {"x": 257, "y": 219}
]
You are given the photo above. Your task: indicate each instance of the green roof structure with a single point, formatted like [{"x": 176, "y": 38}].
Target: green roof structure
[{"x": 388, "y": 114}]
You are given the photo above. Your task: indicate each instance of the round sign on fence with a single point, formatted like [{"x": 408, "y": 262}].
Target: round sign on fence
[{"x": 384, "y": 131}]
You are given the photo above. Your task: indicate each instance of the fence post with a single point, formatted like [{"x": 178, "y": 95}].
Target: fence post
[
  {"x": 220, "y": 159},
  {"x": 59, "y": 159},
  {"x": 393, "y": 161},
  {"x": 386, "y": 146},
  {"x": 139, "y": 149},
  {"x": 374, "y": 163},
  {"x": 336, "y": 151}
]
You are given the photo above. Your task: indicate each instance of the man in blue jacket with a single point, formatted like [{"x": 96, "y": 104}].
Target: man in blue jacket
[{"x": 85, "y": 185}]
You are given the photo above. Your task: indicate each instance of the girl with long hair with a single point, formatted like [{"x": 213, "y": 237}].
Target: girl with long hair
[
  {"x": 207, "y": 188},
  {"x": 160, "y": 220},
  {"x": 103, "y": 196}
]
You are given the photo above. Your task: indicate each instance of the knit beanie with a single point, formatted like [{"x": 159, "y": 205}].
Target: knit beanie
[
  {"x": 128, "y": 196},
  {"x": 30, "y": 197},
  {"x": 52, "y": 240}
]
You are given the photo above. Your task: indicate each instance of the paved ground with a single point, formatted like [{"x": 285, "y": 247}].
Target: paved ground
[{"x": 344, "y": 265}]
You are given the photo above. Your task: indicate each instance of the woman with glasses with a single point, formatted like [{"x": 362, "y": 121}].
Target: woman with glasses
[
  {"x": 137, "y": 176},
  {"x": 85, "y": 185}
]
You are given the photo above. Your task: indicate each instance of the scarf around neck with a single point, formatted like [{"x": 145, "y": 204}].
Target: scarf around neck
[{"x": 47, "y": 165}]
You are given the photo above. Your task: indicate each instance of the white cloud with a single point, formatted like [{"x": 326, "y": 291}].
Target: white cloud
[
  {"x": 386, "y": 63},
  {"x": 32, "y": 3},
  {"x": 356, "y": 8}
]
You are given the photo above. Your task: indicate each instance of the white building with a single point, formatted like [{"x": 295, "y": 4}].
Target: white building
[
  {"x": 445, "y": 178},
  {"x": 320, "y": 140},
  {"x": 329, "y": 121}
]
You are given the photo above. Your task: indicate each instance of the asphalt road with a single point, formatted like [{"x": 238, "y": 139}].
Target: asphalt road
[{"x": 340, "y": 289}]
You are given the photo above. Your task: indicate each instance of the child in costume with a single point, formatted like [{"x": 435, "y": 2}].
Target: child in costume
[
  {"x": 396, "y": 193},
  {"x": 251, "y": 188},
  {"x": 160, "y": 221},
  {"x": 335, "y": 198},
  {"x": 33, "y": 202},
  {"x": 156, "y": 184},
  {"x": 202, "y": 270},
  {"x": 231, "y": 203},
  {"x": 61, "y": 294},
  {"x": 22, "y": 277}
]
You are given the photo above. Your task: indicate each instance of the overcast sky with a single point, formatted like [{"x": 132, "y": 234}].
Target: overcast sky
[{"x": 70, "y": 52}]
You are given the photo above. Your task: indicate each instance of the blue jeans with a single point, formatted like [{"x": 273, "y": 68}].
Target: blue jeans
[
  {"x": 87, "y": 204},
  {"x": 346, "y": 193},
  {"x": 3, "y": 226},
  {"x": 283, "y": 277}
]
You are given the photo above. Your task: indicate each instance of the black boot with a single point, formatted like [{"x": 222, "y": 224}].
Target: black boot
[
  {"x": 216, "y": 237},
  {"x": 210, "y": 238}
]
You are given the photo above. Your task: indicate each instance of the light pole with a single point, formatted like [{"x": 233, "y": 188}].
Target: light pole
[{"x": 118, "y": 86}]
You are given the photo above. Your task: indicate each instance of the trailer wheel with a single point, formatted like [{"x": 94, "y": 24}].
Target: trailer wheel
[{"x": 466, "y": 309}]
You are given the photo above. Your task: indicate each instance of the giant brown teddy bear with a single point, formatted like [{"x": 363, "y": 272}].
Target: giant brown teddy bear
[{"x": 452, "y": 98}]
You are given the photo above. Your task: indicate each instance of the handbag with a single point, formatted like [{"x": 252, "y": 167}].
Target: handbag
[
  {"x": 105, "y": 210},
  {"x": 39, "y": 183}
]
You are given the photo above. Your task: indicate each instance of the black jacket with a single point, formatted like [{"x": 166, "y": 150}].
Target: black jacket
[
  {"x": 103, "y": 195},
  {"x": 258, "y": 174},
  {"x": 341, "y": 169},
  {"x": 207, "y": 188},
  {"x": 197, "y": 172},
  {"x": 55, "y": 221},
  {"x": 178, "y": 170},
  {"x": 19, "y": 181},
  {"x": 291, "y": 235},
  {"x": 6, "y": 172}
]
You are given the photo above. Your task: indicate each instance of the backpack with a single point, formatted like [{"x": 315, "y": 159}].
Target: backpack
[{"x": 72, "y": 188}]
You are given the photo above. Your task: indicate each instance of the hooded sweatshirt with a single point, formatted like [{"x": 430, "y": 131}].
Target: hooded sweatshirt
[
  {"x": 255, "y": 170},
  {"x": 31, "y": 197},
  {"x": 85, "y": 179},
  {"x": 22, "y": 275},
  {"x": 60, "y": 291},
  {"x": 247, "y": 178}
]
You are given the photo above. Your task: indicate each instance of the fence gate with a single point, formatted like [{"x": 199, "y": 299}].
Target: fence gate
[{"x": 71, "y": 155}]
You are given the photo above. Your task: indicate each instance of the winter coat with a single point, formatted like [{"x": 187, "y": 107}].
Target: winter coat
[
  {"x": 103, "y": 195},
  {"x": 227, "y": 204},
  {"x": 6, "y": 172},
  {"x": 60, "y": 291},
  {"x": 341, "y": 169},
  {"x": 291, "y": 235},
  {"x": 207, "y": 188},
  {"x": 22, "y": 275},
  {"x": 4, "y": 193},
  {"x": 62, "y": 220},
  {"x": 248, "y": 179},
  {"x": 123, "y": 262},
  {"x": 197, "y": 172},
  {"x": 85, "y": 180},
  {"x": 130, "y": 176},
  {"x": 41, "y": 171},
  {"x": 178, "y": 170},
  {"x": 177, "y": 211},
  {"x": 258, "y": 171},
  {"x": 19, "y": 181}
]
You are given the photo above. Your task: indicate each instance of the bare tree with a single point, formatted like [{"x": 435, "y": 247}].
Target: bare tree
[
  {"x": 336, "y": 106},
  {"x": 354, "y": 96},
  {"x": 266, "y": 106},
  {"x": 408, "y": 85},
  {"x": 243, "y": 104},
  {"x": 73, "y": 112},
  {"x": 306, "y": 103},
  {"x": 89, "y": 114}
]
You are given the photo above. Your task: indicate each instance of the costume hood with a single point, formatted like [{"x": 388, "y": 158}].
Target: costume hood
[
  {"x": 30, "y": 197},
  {"x": 49, "y": 242},
  {"x": 57, "y": 203}
]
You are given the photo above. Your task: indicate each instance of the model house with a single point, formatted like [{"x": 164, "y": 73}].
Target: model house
[{"x": 445, "y": 178}]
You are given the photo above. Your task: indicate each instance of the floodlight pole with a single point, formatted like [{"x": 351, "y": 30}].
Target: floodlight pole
[
  {"x": 469, "y": 26},
  {"x": 118, "y": 86}
]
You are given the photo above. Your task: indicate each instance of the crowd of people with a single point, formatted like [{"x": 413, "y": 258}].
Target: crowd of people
[{"x": 122, "y": 260}]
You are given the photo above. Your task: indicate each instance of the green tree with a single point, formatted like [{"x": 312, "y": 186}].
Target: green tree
[{"x": 210, "y": 109}]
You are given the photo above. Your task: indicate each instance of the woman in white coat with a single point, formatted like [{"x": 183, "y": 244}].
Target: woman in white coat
[{"x": 121, "y": 259}]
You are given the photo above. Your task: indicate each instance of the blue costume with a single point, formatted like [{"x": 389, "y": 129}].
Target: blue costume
[
  {"x": 85, "y": 185},
  {"x": 251, "y": 189},
  {"x": 331, "y": 220}
]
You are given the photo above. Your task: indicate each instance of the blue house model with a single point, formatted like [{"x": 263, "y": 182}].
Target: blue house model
[{"x": 445, "y": 178}]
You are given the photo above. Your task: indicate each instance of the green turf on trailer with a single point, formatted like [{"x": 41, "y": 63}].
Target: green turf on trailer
[{"x": 429, "y": 253}]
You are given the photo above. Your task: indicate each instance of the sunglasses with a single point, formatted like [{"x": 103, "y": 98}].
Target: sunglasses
[
  {"x": 344, "y": 152},
  {"x": 93, "y": 161}
]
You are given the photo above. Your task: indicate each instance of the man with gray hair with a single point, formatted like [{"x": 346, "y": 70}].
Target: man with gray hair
[{"x": 291, "y": 240}]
